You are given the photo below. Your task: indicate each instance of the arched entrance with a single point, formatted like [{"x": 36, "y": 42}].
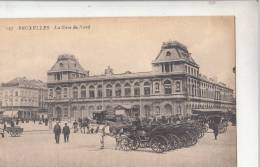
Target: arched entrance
[
  {"x": 147, "y": 111},
  {"x": 135, "y": 111},
  {"x": 58, "y": 113},
  {"x": 168, "y": 110}
]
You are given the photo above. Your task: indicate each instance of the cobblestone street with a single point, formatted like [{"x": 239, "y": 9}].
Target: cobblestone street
[{"x": 83, "y": 150}]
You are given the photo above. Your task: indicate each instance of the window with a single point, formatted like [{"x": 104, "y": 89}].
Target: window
[
  {"x": 118, "y": 90},
  {"x": 65, "y": 92},
  {"x": 109, "y": 90},
  {"x": 168, "y": 53},
  {"x": 99, "y": 91},
  {"x": 91, "y": 91},
  {"x": 137, "y": 89},
  {"x": 58, "y": 93},
  {"x": 66, "y": 113},
  {"x": 127, "y": 89},
  {"x": 61, "y": 64},
  {"x": 167, "y": 87},
  {"x": 16, "y": 93},
  {"x": 157, "y": 87},
  {"x": 157, "y": 110},
  {"x": 178, "y": 86},
  {"x": 99, "y": 107},
  {"x": 75, "y": 93},
  {"x": 83, "y": 92},
  {"x": 59, "y": 76},
  {"x": 147, "y": 89},
  {"x": 167, "y": 68}
]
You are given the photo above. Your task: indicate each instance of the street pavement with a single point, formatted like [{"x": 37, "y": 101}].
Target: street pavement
[{"x": 37, "y": 148}]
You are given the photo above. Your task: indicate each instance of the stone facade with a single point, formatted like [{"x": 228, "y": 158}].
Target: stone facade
[
  {"x": 26, "y": 98},
  {"x": 173, "y": 87}
]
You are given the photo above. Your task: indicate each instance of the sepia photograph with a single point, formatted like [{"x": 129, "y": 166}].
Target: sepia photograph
[{"x": 118, "y": 91}]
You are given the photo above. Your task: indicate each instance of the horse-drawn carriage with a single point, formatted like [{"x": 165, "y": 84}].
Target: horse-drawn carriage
[
  {"x": 15, "y": 131},
  {"x": 213, "y": 118},
  {"x": 161, "y": 137}
]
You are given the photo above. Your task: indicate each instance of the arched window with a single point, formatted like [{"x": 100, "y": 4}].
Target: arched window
[
  {"x": 75, "y": 93},
  {"x": 58, "y": 93},
  {"x": 118, "y": 90},
  {"x": 167, "y": 87},
  {"x": 178, "y": 86},
  {"x": 127, "y": 88},
  {"x": 91, "y": 91},
  {"x": 137, "y": 89},
  {"x": 147, "y": 89},
  {"x": 99, "y": 91},
  {"x": 83, "y": 91},
  {"x": 109, "y": 90}
]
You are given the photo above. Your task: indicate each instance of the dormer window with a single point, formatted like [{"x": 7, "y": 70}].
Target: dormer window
[{"x": 168, "y": 53}]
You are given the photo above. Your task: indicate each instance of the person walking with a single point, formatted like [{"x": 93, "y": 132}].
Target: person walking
[
  {"x": 215, "y": 130},
  {"x": 57, "y": 132},
  {"x": 66, "y": 133}
]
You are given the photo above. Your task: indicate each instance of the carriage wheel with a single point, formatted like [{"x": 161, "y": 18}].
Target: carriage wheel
[
  {"x": 12, "y": 133},
  {"x": 158, "y": 144},
  {"x": 125, "y": 144},
  {"x": 173, "y": 141},
  {"x": 135, "y": 143}
]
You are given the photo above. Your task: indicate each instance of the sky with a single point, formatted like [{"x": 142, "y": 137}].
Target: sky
[{"x": 124, "y": 44}]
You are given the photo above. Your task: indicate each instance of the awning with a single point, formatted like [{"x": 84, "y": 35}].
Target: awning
[
  {"x": 124, "y": 106},
  {"x": 13, "y": 113},
  {"x": 209, "y": 111}
]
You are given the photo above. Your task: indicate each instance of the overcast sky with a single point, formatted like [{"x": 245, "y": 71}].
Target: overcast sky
[{"x": 123, "y": 43}]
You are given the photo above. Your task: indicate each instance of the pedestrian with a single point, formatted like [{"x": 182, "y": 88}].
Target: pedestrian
[
  {"x": 57, "y": 132},
  {"x": 66, "y": 133},
  {"x": 50, "y": 124},
  {"x": 12, "y": 123},
  {"x": 215, "y": 130},
  {"x": 75, "y": 126},
  {"x": 4, "y": 126}
]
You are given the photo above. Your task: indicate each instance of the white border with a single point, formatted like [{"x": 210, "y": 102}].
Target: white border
[{"x": 246, "y": 46}]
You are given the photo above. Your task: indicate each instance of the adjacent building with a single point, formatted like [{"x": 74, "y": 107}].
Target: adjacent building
[
  {"x": 175, "y": 86},
  {"x": 24, "y": 98}
]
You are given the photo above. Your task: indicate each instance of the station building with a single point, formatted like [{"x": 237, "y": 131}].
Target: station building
[{"x": 175, "y": 86}]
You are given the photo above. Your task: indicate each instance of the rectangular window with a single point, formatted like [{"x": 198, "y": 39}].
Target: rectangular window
[{"x": 65, "y": 92}]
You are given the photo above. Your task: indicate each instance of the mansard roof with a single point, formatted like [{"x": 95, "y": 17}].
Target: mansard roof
[
  {"x": 67, "y": 62},
  {"x": 25, "y": 83},
  {"x": 174, "y": 51}
]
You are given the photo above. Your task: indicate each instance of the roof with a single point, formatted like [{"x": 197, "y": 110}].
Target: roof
[
  {"x": 25, "y": 83},
  {"x": 174, "y": 51},
  {"x": 67, "y": 62}
]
